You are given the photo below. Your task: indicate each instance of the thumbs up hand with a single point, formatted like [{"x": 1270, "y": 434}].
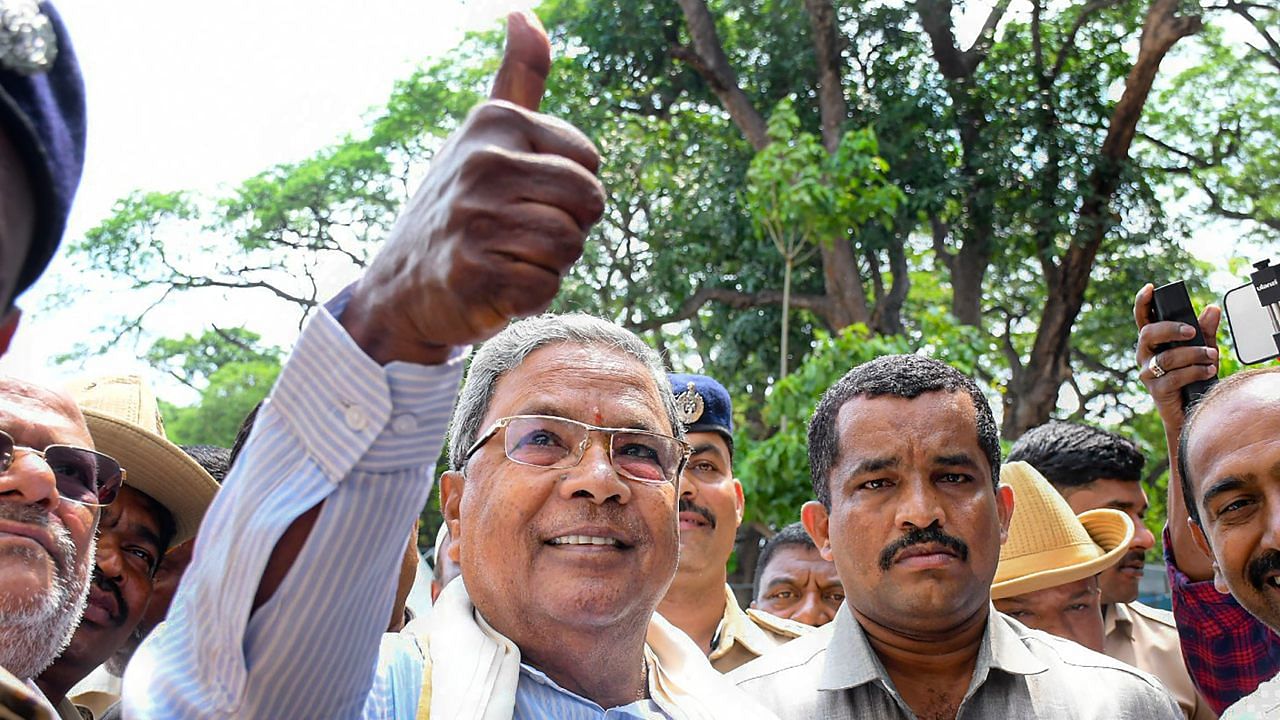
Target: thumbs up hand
[{"x": 498, "y": 221}]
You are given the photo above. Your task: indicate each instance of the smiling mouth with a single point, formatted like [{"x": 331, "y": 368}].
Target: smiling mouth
[{"x": 587, "y": 541}]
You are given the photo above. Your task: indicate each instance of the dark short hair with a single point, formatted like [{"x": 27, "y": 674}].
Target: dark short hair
[
  {"x": 793, "y": 535},
  {"x": 1215, "y": 395},
  {"x": 1071, "y": 455},
  {"x": 242, "y": 435},
  {"x": 215, "y": 460},
  {"x": 904, "y": 376}
]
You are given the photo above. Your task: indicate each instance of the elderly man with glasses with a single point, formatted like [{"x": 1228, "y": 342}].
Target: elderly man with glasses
[
  {"x": 563, "y": 518},
  {"x": 561, "y": 500},
  {"x": 52, "y": 487}
]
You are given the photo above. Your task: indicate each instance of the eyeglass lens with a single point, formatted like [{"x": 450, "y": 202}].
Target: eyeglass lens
[
  {"x": 82, "y": 475},
  {"x": 553, "y": 443}
]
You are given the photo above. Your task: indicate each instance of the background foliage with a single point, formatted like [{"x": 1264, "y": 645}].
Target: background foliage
[{"x": 991, "y": 192}]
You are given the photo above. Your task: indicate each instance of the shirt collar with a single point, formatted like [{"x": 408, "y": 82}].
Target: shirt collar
[
  {"x": 737, "y": 627},
  {"x": 1118, "y": 618},
  {"x": 851, "y": 662}
]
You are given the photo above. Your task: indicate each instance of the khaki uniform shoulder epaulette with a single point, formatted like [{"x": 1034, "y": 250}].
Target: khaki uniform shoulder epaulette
[
  {"x": 778, "y": 626},
  {"x": 1164, "y": 617}
]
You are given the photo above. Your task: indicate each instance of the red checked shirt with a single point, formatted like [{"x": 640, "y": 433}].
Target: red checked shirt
[{"x": 1228, "y": 652}]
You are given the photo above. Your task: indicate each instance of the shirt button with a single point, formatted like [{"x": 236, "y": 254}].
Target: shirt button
[
  {"x": 404, "y": 424},
  {"x": 355, "y": 418}
]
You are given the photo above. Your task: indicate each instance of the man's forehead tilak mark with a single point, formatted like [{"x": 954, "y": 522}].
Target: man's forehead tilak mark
[{"x": 623, "y": 416}]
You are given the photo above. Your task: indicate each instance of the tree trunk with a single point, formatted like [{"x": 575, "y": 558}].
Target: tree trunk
[
  {"x": 846, "y": 297},
  {"x": 786, "y": 317},
  {"x": 1033, "y": 391},
  {"x": 709, "y": 59}
]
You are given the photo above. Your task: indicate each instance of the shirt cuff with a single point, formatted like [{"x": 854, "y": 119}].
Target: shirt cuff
[{"x": 345, "y": 427}]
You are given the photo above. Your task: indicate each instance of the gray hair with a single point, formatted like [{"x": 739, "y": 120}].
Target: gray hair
[{"x": 506, "y": 350}]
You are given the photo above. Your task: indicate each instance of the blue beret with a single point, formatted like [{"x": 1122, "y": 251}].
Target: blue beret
[
  {"x": 42, "y": 113},
  {"x": 702, "y": 404}
]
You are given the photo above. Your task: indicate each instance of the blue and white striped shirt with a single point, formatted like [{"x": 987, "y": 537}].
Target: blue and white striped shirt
[
  {"x": 538, "y": 697},
  {"x": 341, "y": 429}
]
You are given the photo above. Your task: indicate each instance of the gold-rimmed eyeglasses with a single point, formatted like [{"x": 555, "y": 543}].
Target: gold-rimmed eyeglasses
[{"x": 554, "y": 442}]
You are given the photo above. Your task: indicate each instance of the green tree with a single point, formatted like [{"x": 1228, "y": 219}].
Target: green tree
[
  {"x": 231, "y": 370},
  {"x": 800, "y": 196},
  {"x": 233, "y": 391},
  {"x": 1025, "y": 211}
]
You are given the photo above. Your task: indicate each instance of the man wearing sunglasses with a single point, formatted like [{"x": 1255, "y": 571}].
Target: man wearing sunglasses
[
  {"x": 159, "y": 504},
  {"x": 52, "y": 487}
]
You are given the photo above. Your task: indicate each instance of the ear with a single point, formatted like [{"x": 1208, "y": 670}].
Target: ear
[
  {"x": 739, "y": 500},
  {"x": 1004, "y": 507},
  {"x": 816, "y": 519},
  {"x": 452, "y": 483},
  {"x": 1201, "y": 542},
  {"x": 8, "y": 326},
  {"x": 753, "y": 605}
]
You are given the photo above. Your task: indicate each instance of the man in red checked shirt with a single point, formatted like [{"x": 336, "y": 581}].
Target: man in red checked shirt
[{"x": 1228, "y": 651}]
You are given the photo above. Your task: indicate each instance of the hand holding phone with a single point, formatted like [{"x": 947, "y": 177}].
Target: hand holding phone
[{"x": 1177, "y": 351}]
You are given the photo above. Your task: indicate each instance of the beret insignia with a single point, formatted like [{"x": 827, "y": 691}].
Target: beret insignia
[
  {"x": 28, "y": 44},
  {"x": 689, "y": 405}
]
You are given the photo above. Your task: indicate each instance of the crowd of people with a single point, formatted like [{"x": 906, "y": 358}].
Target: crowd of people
[{"x": 590, "y": 501}]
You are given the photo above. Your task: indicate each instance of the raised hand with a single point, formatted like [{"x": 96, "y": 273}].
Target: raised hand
[
  {"x": 1181, "y": 365},
  {"x": 499, "y": 220}
]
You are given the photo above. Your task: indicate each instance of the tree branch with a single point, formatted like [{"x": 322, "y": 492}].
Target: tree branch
[
  {"x": 1069, "y": 45},
  {"x": 735, "y": 299},
  {"x": 826, "y": 46},
  {"x": 708, "y": 59}
]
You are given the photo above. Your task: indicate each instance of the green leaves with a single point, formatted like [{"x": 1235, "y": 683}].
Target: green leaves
[
  {"x": 232, "y": 371},
  {"x": 799, "y": 193},
  {"x": 774, "y": 469}
]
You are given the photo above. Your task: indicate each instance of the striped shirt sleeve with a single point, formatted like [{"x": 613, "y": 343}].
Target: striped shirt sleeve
[{"x": 337, "y": 428}]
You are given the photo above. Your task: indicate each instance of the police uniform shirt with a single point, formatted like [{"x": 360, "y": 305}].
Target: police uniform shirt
[
  {"x": 744, "y": 636},
  {"x": 1147, "y": 638}
]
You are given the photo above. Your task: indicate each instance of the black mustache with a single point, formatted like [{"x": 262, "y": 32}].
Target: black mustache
[
  {"x": 106, "y": 584},
  {"x": 930, "y": 535},
  {"x": 1260, "y": 566},
  {"x": 687, "y": 505}
]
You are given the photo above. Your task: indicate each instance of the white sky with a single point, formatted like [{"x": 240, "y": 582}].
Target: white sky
[{"x": 187, "y": 95}]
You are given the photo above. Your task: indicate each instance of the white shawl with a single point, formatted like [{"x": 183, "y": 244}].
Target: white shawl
[{"x": 472, "y": 670}]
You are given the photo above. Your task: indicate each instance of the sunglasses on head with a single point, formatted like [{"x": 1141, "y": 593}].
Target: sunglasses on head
[{"x": 83, "y": 476}]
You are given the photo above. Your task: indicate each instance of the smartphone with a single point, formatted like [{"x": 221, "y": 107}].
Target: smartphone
[
  {"x": 1173, "y": 302},
  {"x": 1253, "y": 329}
]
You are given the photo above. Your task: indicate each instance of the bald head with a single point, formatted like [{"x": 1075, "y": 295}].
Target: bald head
[{"x": 42, "y": 415}]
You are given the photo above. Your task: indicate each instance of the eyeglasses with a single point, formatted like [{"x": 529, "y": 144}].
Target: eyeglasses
[
  {"x": 83, "y": 476},
  {"x": 553, "y": 442}
]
